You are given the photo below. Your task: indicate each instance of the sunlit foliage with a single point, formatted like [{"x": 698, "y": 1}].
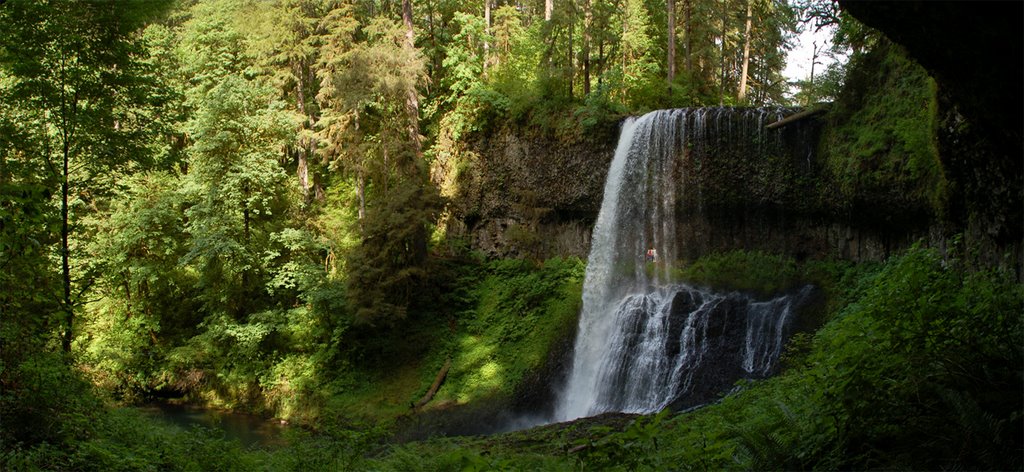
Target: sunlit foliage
[{"x": 229, "y": 202}]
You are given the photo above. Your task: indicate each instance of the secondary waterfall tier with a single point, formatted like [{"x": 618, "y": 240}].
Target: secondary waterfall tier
[{"x": 643, "y": 342}]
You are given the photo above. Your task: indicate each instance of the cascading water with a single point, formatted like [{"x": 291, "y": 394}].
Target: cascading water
[{"x": 644, "y": 342}]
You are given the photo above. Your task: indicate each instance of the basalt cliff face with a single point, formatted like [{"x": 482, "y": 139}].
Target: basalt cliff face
[
  {"x": 891, "y": 162},
  {"x": 523, "y": 194},
  {"x": 517, "y": 193}
]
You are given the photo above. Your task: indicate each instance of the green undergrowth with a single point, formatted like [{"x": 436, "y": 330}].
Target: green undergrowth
[
  {"x": 126, "y": 440},
  {"x": 497, "y": 323},
  {"x": 765, "y": 274},
  {"x": 496, "y": 320},
  {"x": 516, "y": 312},
  {"x": 920, "y": 370},
  {"x": 917, "y": 368},
  {"x": 881, "y": 145},
  {"x": 747, "y": 271}
]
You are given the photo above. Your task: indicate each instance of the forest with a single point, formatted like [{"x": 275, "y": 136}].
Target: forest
[{"x": 368, "y": 222}]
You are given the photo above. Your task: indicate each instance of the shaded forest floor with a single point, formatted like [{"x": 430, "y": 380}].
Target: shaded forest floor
[{"x": 916, "y": 365}]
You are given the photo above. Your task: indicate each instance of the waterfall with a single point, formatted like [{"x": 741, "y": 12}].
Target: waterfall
[{"x": 645, "y": 342}]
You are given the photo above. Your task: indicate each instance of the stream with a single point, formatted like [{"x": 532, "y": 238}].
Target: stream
[{"x": 249, "y": 430}]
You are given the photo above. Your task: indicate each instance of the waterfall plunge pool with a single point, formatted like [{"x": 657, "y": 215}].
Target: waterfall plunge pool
[{"x": 249, "y": 430}]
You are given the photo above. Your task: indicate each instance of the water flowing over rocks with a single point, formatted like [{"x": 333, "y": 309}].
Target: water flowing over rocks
[{"x": 644, "y": 342}]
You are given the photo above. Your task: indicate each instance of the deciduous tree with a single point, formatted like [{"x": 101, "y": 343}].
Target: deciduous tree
[{"x": 76, "y": 72}]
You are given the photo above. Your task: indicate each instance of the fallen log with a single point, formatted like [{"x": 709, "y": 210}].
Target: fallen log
[
  {"x": 579, "y": 448},
  {"x": 796, "y": 117},
  {"x": 441, "y": 374}
]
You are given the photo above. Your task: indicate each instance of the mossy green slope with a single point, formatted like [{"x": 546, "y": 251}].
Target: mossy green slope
[{"x": 880, "y": 145}]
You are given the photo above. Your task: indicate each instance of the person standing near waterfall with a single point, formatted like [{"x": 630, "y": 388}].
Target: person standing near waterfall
[{"x": 652, "y": 255}]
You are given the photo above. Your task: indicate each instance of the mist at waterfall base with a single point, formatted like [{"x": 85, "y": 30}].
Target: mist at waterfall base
[{"x": 645, "y": 342}]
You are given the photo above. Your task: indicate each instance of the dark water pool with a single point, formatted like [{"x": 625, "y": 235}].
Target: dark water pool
[{"x": 250, "y": 430}]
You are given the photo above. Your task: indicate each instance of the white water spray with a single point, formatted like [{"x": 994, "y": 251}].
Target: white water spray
[{"x": 642, "y": 341}]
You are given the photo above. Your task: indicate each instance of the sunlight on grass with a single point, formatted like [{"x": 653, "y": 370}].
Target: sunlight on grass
[{"x": 476, "y": 372}]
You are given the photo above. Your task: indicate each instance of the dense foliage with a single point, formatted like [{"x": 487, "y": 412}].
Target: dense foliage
[
  {"x": 506, "y": 318},
  {"x": 918, "y": 366},
  {"x": 188, "y": 184},
  {"x": 242, "y": 204},
  {"x": 882, "y": 146}
]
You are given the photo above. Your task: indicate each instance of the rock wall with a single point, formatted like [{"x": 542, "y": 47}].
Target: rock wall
[
  {"x": 973, "y": 51},
  {"x": 893, "y": 162},
  {"x": 523, "y": 194},
  {"x": 800, "y": 236},
  {"x": 520, "y": 194}
]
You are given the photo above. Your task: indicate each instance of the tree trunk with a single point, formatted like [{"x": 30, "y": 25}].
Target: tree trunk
[
  {"x": 687, "y": 6},
  {"x": 435, "y": 58},
  {"x": 721, "y": 82},
  {"x": 247, "y": 294},
  {"x": 314, "y": 182},
  {"x": 246, "y": 217},
  {"x": 671, "y": 44},
  {"x": 587, "y": 19},
  {"x": 549, "y": 6},
  {"x": 571, "y": 67},
  {"x": 302, "y": 169},
  {"x": 746, "y": 56},
  {"x": 412, "y": 101},
  {"x": 361, "y": 194},
  {"x": 810, "y": 95},
  {"x": 127, "y": 294},
  {"x": 65, "y": 254},
  {"x": 487, "y": 34},
  {"x": 623, "y": 48},
  {"x": 68, "y": 112},
  {"x": 438, "y": 380},
  {"x": 387, "y": 170},
  {"x": 797, "y": 117}
]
